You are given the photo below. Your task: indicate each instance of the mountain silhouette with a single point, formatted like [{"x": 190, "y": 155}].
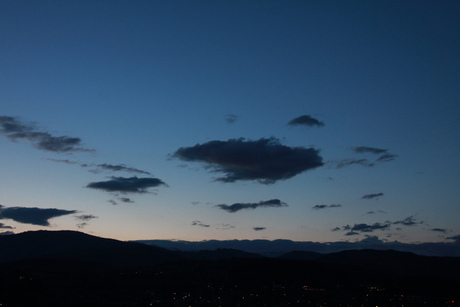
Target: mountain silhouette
[{"x": 73, "y": 245}]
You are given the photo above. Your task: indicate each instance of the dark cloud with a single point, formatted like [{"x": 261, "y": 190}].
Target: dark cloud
[
  {"x": 85, "y": 217},
  {"x": 34, "y": 216},
  {"x": 374, "y": 212},
  {"x": 198, "y": 223},
  {"x": 365, "y": 149},
  {"x": 3, "y": 226},
  {"x": 14, "y": 130},
  {"x": 104, "y": 166},
  {"x": 120, "y": 168},
  {"x": 385, "y": 156},
  {"x": 259, "y": 228},
  {"x": 348, "y": 162},
  {"x": 231, "y": 118},
  {"x": 371, "y": 196},
  {"x": 195, "y": 203},
  {"x": 443, "y": 230},
  {"x": 6, "y": 233},
  {"x": 82, "y": 225},
  {"x": 362, "y": 227},
  {"x": 319, "y": 207},
  {"x": 306, "y": 120},
  {"x": 126, "y": 185},
  {"x": 264, "y": 160},
  {"x": 370, "y": 228},
  {"x": 114, "y": 203},
  {"x": 240, "y": 206},
  {"x": 126, "y": 200},
  {"x": 352, "y": 233},
  {"x": 408, "y": 221}
]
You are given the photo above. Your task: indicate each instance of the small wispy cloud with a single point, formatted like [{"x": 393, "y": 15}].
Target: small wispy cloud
[
  {"x": 372, "y": 196},
  {"x": 231, "y": 118},
  {"x": 319, "y": 207},
  {"x": 198, "y": 223},
  {"x": 259, "y": 228},
  {"x": 15, "y": 130}
]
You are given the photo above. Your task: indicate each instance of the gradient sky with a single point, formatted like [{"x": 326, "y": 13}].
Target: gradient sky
[{"x": 305, "y": 120}]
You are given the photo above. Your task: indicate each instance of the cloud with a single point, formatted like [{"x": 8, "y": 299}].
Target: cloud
[
  {"x": 121, "y": 167},
  {"x": 241, "y": 206},
  {"x": 362, "y": 227},
  {"x": 82, "y": 225},
  {"x": 352, "y": 233},
  {"x": 3, "y": 226},
  {"x": 385, "y": 156},
  {"x": 198, "y": 223},
  {"x": 34, "y": 216},
  {"x": 126, "y": 200},
  {"x": 264, "y": 160},
  {"x": 319, "y": 207},
  {"x": 348, "y": 162},
  {"x": 374, "y": 212},
  {"x": 85, "y": 217},
  {"x": 443, "y": 230},
  {"x": 408, "y": 221},
  {"x": 103, "y": 166},
  {"x": 231, "y": 118},
  {"x": 126, "y": 185},
  {"x": 306, "y": 120},
  {"x": 371, "y": 196},
  {"x": 259, "y": 228},
  {"x": 15, "y": 130},
  {"x": 370, "y": 228},
  {"x": 365, "y": 149},
  {"x": 114, "y": 203}
]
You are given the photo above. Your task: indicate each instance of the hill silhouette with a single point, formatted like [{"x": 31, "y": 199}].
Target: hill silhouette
[
  {"x": 68, "y": 268},
  {"x": 78, "y": 246}
]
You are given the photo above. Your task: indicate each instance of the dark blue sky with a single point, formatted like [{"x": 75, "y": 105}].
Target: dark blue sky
[{"x": 310, "y": 121}]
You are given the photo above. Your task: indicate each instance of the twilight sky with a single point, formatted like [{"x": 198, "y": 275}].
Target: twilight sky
[{"x": 304, "y": 120}]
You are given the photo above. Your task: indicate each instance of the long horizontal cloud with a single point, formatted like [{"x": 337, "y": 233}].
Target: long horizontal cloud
[
  {"x": 241, "y": 206},
  {"x": 259, "y": 228},
  {"x": 264, "y": 160},
  {"x": 385, "y": 156},
  {"x": 198, "y": 223},
  {"x": 319, "y": 207},
  {"x": 15, "y": 130},
  {"x": 104, "y": 166},
  {"x": 34, "y": 216},
  {"x": 363, "y": 227},
  {"x": 371, "y": 196},
  {"x": 306, "y": 120},
  {"x": 126, "y": 185}
]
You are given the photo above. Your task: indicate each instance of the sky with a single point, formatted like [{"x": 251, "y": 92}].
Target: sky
[{"x": 320, "y": 121}]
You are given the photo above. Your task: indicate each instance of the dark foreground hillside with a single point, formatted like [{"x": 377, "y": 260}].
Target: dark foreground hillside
[{"x": 358, "y": 278}]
